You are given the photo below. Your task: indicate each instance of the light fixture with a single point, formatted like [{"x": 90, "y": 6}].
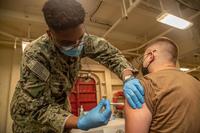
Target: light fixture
[
  {"x": 24, "y": 44},
  {"x": 173, "y": 21},
  {"x": 184, "y": 69}
]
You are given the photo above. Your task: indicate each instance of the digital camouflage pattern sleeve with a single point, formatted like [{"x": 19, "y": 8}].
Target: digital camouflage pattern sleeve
[
  {"x": 103, "y": 52},
  {"x": 34, "y": 109},
  {"x": 39, "y": 103}
]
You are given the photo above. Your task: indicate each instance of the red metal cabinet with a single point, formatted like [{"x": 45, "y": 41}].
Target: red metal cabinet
[
  {"x": 119, "y": 98},
  {"x": 83, "y": 93}
]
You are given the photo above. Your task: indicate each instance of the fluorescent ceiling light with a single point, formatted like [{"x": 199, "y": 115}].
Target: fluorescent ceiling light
[
  {"x": 173, "y": 21},
  {"x": 24, "y": 44},
  {"x": 184, "y": 69}
]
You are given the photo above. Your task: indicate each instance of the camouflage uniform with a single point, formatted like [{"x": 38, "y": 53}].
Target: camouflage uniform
[{"x": 39, "y": 103}]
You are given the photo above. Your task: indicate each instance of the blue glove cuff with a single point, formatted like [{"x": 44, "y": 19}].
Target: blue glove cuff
[{"x": 81, "y": 126}]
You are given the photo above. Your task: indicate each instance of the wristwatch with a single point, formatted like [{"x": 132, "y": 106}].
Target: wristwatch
[{"x": 127, "y": 78}]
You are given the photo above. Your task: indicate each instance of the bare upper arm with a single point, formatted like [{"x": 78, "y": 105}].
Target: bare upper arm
[{"x": 137, "y": 120}]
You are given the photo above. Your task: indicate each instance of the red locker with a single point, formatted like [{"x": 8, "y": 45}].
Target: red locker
[{"x": 84, "y": 93}]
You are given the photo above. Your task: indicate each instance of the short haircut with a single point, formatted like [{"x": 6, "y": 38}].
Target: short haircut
[
  {"x": 171, "y": 49},
  {"x": 63, "y": 14}
]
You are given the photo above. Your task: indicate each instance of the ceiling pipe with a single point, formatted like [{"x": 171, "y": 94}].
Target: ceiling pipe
[
  {"x": 130, "y": 2},
  {"x": 161, "y": 34},
  {"x": 143, "y": 45},
  {"x": 161, "y": 5},
  {"x": 29, "y": 31},
  {"x": 151, "y": 6},
  {"x": 121, "y": 18},
  {"x": 15, "y": 44},
  {"x": 16, "y": 37},
  {"x": 179, "y": 10},
  {"x": 124, "y": 11},
  {"x": 93, "y": 14},
  {"x": 10, "y": 43},
  {"x": 8, "y": 35},
  {"x": 194, "y": 69}
]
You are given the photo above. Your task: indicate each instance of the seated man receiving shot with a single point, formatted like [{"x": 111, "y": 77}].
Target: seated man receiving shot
[{"x": 172, "y": 97}]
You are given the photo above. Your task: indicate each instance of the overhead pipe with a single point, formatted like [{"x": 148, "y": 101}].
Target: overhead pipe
[
  {"x": 15, "y": 44},
  {"x": 16, "y": 39},
  {"x": 124, "y": 11},
  {"x": 179, "y": 10},
  {"x": 161, "y": 5},
  {"x": 194, "y": 69},
  {"x": 143, "y": 45},
  {"x": 93, "y": 14},
  {"x": 151, "y": 6},
  {"x": 8, "y": 42},
  {"x": 29, "y": 31},
  {"x": 161, "y": 34},
  {"x": 8, "y": 35},
  {"x": 11, "y": 36},
  {"x": 130, "y": 2},
  {"x": 121, "y": 18}
]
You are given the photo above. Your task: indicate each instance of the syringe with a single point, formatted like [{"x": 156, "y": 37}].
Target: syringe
[{"x": 116, "y": 104}]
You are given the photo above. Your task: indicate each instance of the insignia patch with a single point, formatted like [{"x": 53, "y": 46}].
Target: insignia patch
[{"x": 39, "y": 69}]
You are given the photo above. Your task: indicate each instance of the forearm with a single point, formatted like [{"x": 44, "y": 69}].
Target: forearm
[
  {"x": 71, "y": 122},
  {"x": 114, "y": 61},
  {"x": 54, "y": 116},
  {"x": 103, "y": 52},
  {"x": 28, "y": 110}
]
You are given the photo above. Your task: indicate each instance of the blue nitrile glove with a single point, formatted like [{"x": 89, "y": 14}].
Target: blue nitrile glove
[
  {"x": 134, "y": 92},
  {"x": 98, "y": 116}
]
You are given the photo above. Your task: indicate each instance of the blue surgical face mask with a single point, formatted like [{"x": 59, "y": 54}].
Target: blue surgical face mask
[{"x": 72, "y": 51}]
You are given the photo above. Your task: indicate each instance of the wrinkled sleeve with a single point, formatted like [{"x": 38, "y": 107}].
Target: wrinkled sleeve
[
  {"x": 103, "y": 52},
  {"x": 33, "y": 101}
]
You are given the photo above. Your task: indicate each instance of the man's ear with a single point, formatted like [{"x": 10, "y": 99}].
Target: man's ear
[{"x": 151, "y": 57}]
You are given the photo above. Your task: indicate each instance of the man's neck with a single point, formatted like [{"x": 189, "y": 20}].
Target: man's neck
[{"x": 157, "y": 68}]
